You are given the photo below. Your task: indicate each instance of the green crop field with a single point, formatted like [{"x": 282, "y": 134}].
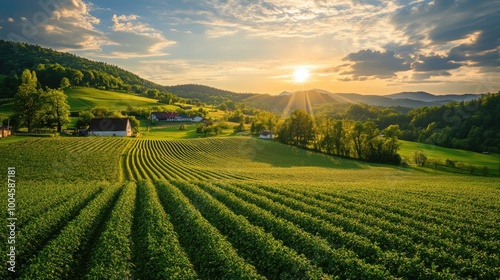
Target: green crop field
[
  {"x": 240, "y": 208},
  {"x": 171, "y": 130}
]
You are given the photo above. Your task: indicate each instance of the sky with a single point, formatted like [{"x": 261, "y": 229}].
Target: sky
[{"x": 270, "y": 46}]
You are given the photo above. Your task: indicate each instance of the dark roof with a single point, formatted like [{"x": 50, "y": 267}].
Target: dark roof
[
  {"x": 108, "y": 124},
  {"x": 164, "y": 116},
  {"x": 2, "y": 127},
  {"x": 265, "y": 133}
]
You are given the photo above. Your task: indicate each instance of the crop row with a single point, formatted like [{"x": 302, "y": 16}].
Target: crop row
[
  {"x": 58, "y": 160},
  {"x": 340, "y": 261},
  {"x": 61, "y": 255},
  {"x": 456, "y": 234},
  {"x": 447, "y": 211},
  {"x": 429, "y": 246},
  {"x": 167, "y": 160},
  {"x": 271, "y": 258},
  {"x": 112, "y": 255},
  {"x": 211, "y": 254},
  {"x": 158, "y": 252}
]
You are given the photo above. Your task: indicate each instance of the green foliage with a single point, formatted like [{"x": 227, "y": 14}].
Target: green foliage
[
  {"x": 298, "y": 129},
  {"x": 159, "y": 254},
  {"x": 64, "y": 83},
  {"x": 15, "y": 57},
  {"x": 212, "y": 255},
  {"x": 112, "y": 256},
  {"x": 134, "y": 123},
  {"x": 28, "y": 102},
  {"x": 57, "y": 258},
  {"x": 37, "y": 108},
  {"x": 419, "y": 158}
]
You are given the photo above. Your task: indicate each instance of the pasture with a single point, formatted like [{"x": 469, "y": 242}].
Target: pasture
[
  {"x": 241, "y": 208},
  {"x": 492, "y": 161},
  {"x": 88, "y": 98}
]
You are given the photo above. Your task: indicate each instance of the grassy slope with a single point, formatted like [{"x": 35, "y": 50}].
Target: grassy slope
[
  {"x": 86, "y": 98},
  {"x": 431, "y": 151}
]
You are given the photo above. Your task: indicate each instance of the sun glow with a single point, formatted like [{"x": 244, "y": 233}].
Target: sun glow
[{"x": 301, "y": 74}]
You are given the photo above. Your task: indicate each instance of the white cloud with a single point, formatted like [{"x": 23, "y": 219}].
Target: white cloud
[{"x": 130, "y": 24}]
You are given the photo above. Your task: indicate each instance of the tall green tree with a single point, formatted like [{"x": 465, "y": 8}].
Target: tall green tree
[
  {"x": 298, "y": 129},
  {"x": 356, "y": 134},
  {"x": 57, "y": 107},
  {"x": 64, "y": 83},
  {"x": 28, "y": 101}
]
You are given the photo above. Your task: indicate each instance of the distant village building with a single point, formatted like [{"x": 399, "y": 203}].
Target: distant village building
[
  {"x": 159, "y": 116},
  {"x": 174, "y": 117},
  {"x": 266, "y": 134},
  {"x": 110, "y": 127},
  {"x": 198, "y": 119},
  {"x": 4, "y": 131}
]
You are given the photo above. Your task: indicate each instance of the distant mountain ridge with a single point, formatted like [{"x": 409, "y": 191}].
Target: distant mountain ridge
[
  {"x": 405, "y": 99},
  {"x": 428, "y": 97}
]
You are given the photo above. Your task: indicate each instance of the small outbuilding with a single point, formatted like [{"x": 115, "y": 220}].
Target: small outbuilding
[
  {"x": 266, "y": 134},
  {"x": 4, "y": 131},
  {"x": 110, "y": 127}
]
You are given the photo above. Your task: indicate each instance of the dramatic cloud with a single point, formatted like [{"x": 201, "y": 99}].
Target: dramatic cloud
[
  {"x": 137, "y": 39},
  {"x": 61, "y": 24},
  {"x": 373, "y": 64},
  {"x": 434, "y": 62},
  {"x": 465, "y": 32}
]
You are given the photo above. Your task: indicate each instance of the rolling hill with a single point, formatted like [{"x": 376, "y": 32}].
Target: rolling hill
[{"x": 86, "y": 98}]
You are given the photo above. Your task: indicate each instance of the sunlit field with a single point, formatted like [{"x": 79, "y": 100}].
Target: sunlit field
[{"x": 239, "y": 207}]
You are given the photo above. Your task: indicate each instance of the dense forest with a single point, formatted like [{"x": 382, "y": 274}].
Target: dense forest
[
  {"x": 470, "y": 125},
  {"x": 51, "y": 66}
]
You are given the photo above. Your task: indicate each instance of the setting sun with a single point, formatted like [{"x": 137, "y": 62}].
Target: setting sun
[{"x": 301, "y": 74}]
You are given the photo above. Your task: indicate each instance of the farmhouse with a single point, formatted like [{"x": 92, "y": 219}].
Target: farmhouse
[
  {"x": 4, "y": 131},
  {"x": 266, "y": 134},
  {"x": 159, "y": 116},
  {"x": 174, "y": 117},
  {"x": 183, "y": 118},
  {"x": 110, "y": 127}
]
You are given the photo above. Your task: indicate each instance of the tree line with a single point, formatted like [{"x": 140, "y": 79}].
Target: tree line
[
  {"x": 35, "y": 107},
  {"x": 351, "y": 139},
  {"x": 469, "y": 125}
]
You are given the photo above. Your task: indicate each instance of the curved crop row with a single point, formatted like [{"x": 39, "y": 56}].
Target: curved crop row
[
  {"x": 340, "y": 262},
  {"x": 62, "y": 254},
  {"x": 35, "y": 234},
  {"x": 271, "y": 258},
  {"x": 158, "y": 252},
  {"x": 397, "y": 263},
  {"x": 112, "y": 257},
  {"x": 393, "y": 232},
  {"x": 211, "y": 254}
]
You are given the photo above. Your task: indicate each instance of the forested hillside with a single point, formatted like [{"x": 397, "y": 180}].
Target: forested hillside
[
  {"x": 472, "y": 125},
  {"x": 51, "y": 66}
]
